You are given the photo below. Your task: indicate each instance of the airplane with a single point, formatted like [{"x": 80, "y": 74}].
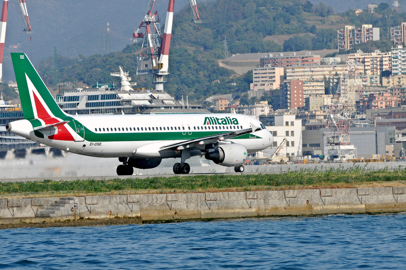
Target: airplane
[{"x": 138, "y": 141}]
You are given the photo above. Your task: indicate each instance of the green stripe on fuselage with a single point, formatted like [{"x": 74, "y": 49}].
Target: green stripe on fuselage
[{"x": 154, "y": 136}]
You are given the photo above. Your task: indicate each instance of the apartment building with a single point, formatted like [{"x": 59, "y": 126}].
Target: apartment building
[
  {"x": 398, "y": 60},
  {"x": 349, "y": 36},
  {"x": 290, "y": 59},
  {"x": 314, "y": 103},
  {"x": 287, "y": 126},
  {"x": 291, "y": 94},
  {"x": 313, "y": 87},
  {"x": 256, "y": 110},
  {"x": 394, "y": 81},
  {"x": 220, "y": 104},
  {"x": 382, "y": 101},
  {"x": 267, "y": 78},
  {"x": 318, "y": 72},
  {"x": 374, "y": 63},
  {"x": 398, "y": 33}
]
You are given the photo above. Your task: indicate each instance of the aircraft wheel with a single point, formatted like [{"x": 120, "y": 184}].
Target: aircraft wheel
[
  {"x": 176, "y": 168},
  {"x": 129, "y": 170},
  {"x": 121, "y": 170},
  {"x": 239, "y": 168},
  {"x": 185, "y": 168}
]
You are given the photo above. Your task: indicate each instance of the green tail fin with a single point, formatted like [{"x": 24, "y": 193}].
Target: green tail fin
[{"x": 36, "y": 100}]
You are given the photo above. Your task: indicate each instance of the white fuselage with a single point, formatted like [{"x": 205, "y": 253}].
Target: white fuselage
[{"x": 142, "y": 136}]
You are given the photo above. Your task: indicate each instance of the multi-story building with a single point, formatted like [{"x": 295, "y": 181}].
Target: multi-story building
[
  {"x": 256, "y": 110},
  {"x": 398, "y": 60},
  {"x": 313, "y": 87},
  {"x": 267, "y": 78},
  {"x": 398, "y": 34},
  {"x": 287, "y": 126},
  {"x": 382, "y": 101},
  {"x": 374, "y": 63},
  {"x": 220, "y": 104},
  {"x": 394, "y": 80},
  {"x": 291, "y": 94},
  {"x": 349, "y": 36},
  {"x": 290, "y": 59},
  {"x": 315, "y": 102},
  {"x": 372, "y": 7},
  {"x": 318, "y": 72}
]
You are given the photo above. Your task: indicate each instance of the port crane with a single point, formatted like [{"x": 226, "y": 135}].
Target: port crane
[
  {"x": 3, "y": 25},
  {"x": 154, "y": 54}
]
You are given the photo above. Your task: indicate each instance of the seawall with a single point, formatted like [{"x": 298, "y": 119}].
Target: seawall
[{"x": 171, "y": 207}]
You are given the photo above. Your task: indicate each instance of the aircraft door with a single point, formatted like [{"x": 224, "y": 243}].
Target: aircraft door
[{"x": 80, "y": 131}]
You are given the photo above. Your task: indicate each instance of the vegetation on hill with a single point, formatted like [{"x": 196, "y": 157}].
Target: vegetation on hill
[
  {"x": 245, "y": 24},
  {"x": 8, "y": 92}
]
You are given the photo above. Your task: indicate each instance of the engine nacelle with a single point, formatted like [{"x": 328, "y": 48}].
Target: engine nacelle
[
  {"x": 228, "y": 155},
  {"x": 144, "y": 163}
]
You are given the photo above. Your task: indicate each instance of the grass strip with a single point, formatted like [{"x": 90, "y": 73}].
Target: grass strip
[{"x": 208, "y": 182}]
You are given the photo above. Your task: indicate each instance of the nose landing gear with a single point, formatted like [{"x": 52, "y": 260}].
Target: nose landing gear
[
  {"x": 124, "y": 169},
  {"x": 239, "y": 168}
]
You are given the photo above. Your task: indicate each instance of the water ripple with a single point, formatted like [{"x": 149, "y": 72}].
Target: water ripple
[{"x": 329, "y": 242}]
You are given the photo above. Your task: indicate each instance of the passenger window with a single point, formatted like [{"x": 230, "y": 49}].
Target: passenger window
[
  {"x": 208, "y": 127},
  {"x": 104, "y": 129},
  {"x": 153, "y": 128},
  {"x": 115, "y": 129},
  {"x": 149, "y": 129},
  {"x": 126, "y": 129},
  {"x": 171, "y": 128},
  {"x": 188, "y": 128},
  {"x": 119, "y": 129},
  {"x": 160, "y": 128},
  {"x": 183, "y": 128},
  {"x": 138, "y": 128},
  {"x": 194, "y": 128},
  {"x": 164, "y": 128}
]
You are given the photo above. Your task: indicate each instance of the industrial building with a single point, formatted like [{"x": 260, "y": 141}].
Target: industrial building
[{"x": 367, "y": 140}]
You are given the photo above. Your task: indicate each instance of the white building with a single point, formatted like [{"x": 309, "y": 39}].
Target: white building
[
  {"x": 287, "y": 126},
  {"x": 398, "y": 60},
  {"x": 260, "y": 108}
]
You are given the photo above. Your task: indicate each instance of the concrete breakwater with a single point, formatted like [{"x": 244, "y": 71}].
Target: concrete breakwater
[{"x": 203, "y": 205}]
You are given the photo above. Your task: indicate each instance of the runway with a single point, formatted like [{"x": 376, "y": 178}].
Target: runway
[{"x": 74, "y": 167}]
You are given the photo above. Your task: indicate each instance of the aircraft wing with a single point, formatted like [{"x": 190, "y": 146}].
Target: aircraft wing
[{"x": 210, "y": 139}]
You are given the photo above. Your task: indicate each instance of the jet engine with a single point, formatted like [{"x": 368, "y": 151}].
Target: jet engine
[
  {"x": 144, "y": 163},
  {"x": 228, "y": 155}
]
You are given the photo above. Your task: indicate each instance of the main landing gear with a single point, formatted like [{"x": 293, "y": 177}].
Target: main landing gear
[
  {"x": 124, "y": 169},
  {"x": 179, "y": 168},
  {"x": 239, "y": 168}
]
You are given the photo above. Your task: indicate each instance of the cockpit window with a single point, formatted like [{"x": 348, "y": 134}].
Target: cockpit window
[{"x": 262, "y": 126}]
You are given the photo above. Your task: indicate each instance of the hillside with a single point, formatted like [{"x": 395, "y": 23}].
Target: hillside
[{"x": 248, "y": 26}]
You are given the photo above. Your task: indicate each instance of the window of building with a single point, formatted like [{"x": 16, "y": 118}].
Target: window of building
[
  {"x": 287, "y": 123},
  {"x": 292, "y": 143},
  {"x": 314, "y": 145},
  {"x": 304, "y": 145},
  {"x": 274, "y": 133},
  {"x": 287, "y": 143},
  {"x": 274, "y": 144},
  {"x": 293, "y": 154},
  {"x": 287, "y": 133},
  {"x": 292, "y": 133}
]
